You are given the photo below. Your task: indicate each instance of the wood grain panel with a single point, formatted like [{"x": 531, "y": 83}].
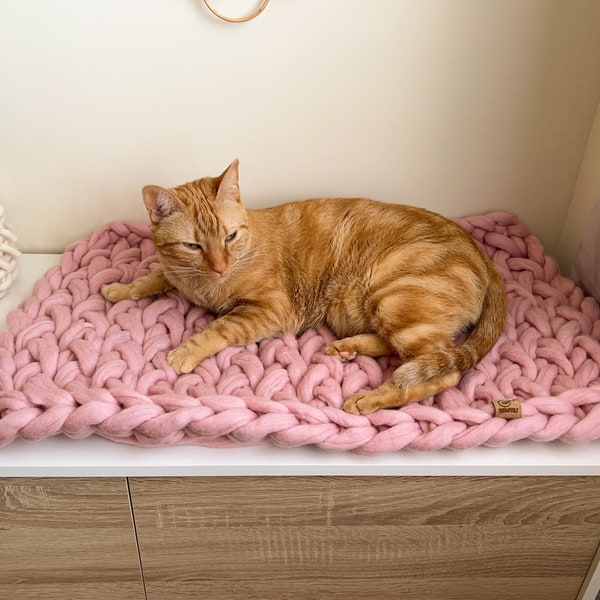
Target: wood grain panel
[
  {"x": 67, "y": 539},
  {"x": 348, "y": 537}
]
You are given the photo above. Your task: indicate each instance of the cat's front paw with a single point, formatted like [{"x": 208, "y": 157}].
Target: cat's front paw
[
  {"x": 115, "y": 292},
  {"x": 182, "y": 360}
]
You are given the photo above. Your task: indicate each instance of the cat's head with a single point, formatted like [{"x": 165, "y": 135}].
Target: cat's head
[{"x": 200, "y": 228}]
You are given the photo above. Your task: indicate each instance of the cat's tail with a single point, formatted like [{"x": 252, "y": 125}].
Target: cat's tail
[{"x": 447, "y": 364}]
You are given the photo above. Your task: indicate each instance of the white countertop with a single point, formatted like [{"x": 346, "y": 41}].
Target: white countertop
[{"x": 60, "y": 456}]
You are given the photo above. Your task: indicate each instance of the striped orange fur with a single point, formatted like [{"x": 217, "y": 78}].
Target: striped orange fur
[{"x": 385, "y": 278}]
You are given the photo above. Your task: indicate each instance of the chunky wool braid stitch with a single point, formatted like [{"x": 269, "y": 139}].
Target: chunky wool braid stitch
[
  {"x": 8, "y": 255},
  {"x": 73, "y": 363}
]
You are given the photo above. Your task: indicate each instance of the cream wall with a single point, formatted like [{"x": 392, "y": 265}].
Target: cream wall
[
  {"x": 585, "y": 194},
  {"x": 461, "y": 106}
]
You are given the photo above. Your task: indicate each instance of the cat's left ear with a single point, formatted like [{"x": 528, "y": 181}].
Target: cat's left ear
[{"x": 229, "y": 188}]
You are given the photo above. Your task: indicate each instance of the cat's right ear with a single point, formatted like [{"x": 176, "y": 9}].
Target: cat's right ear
[
  {"x": 228, "y": 189},
  {"x": 160, "y": 202}
]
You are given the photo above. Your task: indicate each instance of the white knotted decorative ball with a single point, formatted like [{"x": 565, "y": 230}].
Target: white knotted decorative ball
[{"x": 8, "y": 255}]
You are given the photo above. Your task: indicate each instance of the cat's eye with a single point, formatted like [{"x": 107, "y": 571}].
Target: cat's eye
[
  {"x": 231, "y": 236},
  {"x": 192, "y": 246}
]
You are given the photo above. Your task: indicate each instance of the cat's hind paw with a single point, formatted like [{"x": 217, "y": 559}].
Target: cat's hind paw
[
  {"x": 365, "y": 344},
  {"x": 360, "y": 404},
  {"x": 352, "y": 404},
  {"x": 337, "y": 349},
  {"x": 385, "y": 396}
]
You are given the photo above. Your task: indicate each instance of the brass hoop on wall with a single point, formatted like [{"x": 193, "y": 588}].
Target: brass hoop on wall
[{"x": 237, "y": 19}]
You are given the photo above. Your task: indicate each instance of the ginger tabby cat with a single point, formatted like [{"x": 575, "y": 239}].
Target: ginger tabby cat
[{"x": 385, "y": 278}]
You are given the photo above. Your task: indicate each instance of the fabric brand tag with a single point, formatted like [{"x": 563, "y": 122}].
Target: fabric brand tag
[{"x": 508, "y": 408}]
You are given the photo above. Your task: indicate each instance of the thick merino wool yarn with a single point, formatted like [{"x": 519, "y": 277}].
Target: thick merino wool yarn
[
  {"x": 73, "y": 363},
  {"x": 9, "y": 255}
]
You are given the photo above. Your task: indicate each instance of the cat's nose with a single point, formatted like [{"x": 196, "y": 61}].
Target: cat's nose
[
  {"x": 217, "y": 261},
  {"x": 219, "y": 267}
]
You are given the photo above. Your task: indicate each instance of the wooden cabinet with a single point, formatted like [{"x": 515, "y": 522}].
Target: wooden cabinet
[
  {"x": 230, "y": 538},
  {"x": 353, "y": 538},
  {"x": 67, "y": 539}
]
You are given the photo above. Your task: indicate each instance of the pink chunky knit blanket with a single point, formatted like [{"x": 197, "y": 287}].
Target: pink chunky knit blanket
[{"x": 73, "y": 363}]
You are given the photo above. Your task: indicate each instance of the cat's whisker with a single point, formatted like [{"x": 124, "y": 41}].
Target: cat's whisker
[
  {"x": 250, "y": 254},
  {"x": 184, "y": 272}
]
